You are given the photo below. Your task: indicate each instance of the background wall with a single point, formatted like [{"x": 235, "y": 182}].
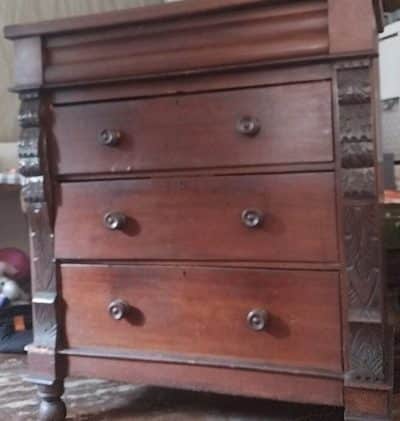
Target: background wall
[{"x": 389, "y": 50}]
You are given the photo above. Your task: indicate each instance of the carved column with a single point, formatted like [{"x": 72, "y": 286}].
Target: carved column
[
  {"x": 37, "y": 195},
  {"x": 368, "y": 361}
]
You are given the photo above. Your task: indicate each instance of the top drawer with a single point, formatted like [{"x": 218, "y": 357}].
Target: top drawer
[{"x": 272, "y": 125}]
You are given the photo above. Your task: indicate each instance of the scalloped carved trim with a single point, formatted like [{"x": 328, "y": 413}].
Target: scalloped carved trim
[
  {"x": 29, "y": 148},
  {"x": 33, "y": 191},
  {"x": 29, "y": 112},
  {"x": 357, "y": 155},
  {"x": 28, "y": 152},
  {"x": 354, "y": 87},
  {"x": 359, "y": 183},
  {"x": 356, "y": 129},
  {"x": 355, "y": 125}
]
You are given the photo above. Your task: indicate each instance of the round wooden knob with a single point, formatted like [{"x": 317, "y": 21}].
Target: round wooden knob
[
  {"x": 114, "y": 220},
  {"x": 252, "y": 218},
  {"x": 248, "y": 126},
  {"x": 118, "y": 309},
  {"x": 109, "y": 137},
  {"x": 257, "y": 319}
]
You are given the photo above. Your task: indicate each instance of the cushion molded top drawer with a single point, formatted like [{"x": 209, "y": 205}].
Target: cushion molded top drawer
[{"x": 270, "y": 125}]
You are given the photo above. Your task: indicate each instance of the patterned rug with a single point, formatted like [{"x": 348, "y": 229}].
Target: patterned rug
[
  {"x": 98, "y": 400},
  {"x": 84, "y": 397}
]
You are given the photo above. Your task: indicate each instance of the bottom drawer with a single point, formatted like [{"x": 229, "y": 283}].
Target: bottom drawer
[{"x": 206, "y": 312}]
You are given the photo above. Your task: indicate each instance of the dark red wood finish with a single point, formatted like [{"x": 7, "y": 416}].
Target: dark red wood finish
[
  {"x": 198, "y": 131},
  {"x": 193, "y": 218},
  {"x": 279, "y": 386},
  {"x": 194, "y": 311},
  {"x": 175, "y": 81}
]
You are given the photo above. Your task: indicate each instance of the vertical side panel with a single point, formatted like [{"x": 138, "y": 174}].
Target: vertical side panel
[
  {"x": 369, "y": 359},
  {"x": 37, "y": 199}
]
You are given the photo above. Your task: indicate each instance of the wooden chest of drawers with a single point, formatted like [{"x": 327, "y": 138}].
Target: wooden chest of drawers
[{"x": 203, "y": 190}]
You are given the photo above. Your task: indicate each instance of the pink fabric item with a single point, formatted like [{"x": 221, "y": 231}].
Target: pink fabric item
[{"x": 15, "y": 264}]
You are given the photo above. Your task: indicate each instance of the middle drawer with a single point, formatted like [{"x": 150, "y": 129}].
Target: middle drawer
[{"x": 280, "y": 217}]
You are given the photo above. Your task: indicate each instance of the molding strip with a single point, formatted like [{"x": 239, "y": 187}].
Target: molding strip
[{"x": 197, "y": 360}]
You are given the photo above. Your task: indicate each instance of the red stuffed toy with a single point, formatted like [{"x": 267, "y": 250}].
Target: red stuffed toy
[{"x": 14, "y": 276}]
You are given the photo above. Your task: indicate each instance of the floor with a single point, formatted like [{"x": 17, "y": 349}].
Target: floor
[{"x": 97, "y": 400}]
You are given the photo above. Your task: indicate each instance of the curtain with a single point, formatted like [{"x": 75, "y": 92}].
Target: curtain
[{"x": 22, "y": 11}]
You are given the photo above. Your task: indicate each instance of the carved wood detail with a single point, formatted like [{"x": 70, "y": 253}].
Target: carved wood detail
[
  {"x": 357, "y": 155},
  {"x": 29, "y": 148},
  {"x": 32, "y": 163},
  {"x": 362, "y": 255},
  {"x": 358, "y": 175},
  {"x": 358, "y": 183},
  {"x": 366, "y": 354},
  {"x": 354, "y": 126},
  {"x": 356, "y": 134},
  {"x": 361, "y": 223},
  {"x": 354, "y": 87}
]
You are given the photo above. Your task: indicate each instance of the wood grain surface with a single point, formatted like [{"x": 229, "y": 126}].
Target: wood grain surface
[
  {"x": 199, "y": 218},
  {"x": 203, "y": 312},
  {"x": 197, "y": 131}
]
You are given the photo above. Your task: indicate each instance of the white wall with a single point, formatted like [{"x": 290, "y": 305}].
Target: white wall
[{"x": 389, "y": 50}]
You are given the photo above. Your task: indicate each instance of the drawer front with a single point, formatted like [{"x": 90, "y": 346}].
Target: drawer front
[
  {"x": 282, "y": 124},
  {"x": 200, "y": 218},
  {"x": 205, "y": 312}
]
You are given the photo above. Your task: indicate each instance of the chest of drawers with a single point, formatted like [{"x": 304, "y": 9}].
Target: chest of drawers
[{"x": 203, "y": 191}]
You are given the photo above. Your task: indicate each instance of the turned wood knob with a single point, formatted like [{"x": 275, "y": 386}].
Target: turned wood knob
[
  {"x": 118, "y": 309},
  {"x": 257, "y": 319},
  {"x": 248, "y": 126},
  {"x": 252, "y": 218},
  {"x": 114, "y": 220},
  {"x": 109, "y": 137}
]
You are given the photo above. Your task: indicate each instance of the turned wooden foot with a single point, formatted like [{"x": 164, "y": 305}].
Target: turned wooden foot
[{"x": 52, "y": 407}]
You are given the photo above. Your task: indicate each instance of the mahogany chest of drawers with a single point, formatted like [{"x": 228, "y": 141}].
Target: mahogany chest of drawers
[{"x": 203, "y": 191}]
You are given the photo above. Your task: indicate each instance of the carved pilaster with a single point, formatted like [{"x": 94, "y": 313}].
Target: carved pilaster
[
  {"x": 367, "y": 359},
  {"x": 37, "y": 197},
  {"x": 29, "y": 149}
]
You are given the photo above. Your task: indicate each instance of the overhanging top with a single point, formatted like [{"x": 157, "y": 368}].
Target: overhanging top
[
  {"x": 146, "y": 14},
  {"x": 140, "y": 14}
]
